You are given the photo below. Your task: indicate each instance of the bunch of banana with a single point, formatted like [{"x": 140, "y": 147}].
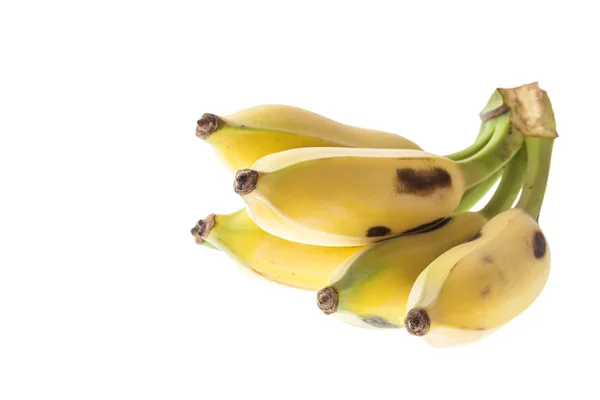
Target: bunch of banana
[
  {"x": 380, "y": 226},
  {"x": 371, "y": 289}
]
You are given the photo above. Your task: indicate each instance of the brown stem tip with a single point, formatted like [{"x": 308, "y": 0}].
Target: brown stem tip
[
  {"x": 245, "y": 181},
  {"x": 503, "y": 109},
  {"x": 417, "y": 322},
  {"x": 203, "y": 228},
  {"x": 207, "y": 125},
  {"x": 327, "y": 300}
]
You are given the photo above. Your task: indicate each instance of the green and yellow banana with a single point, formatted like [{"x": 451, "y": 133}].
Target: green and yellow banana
[
  {"x": 475, "y": 288},
  {"x": 352, "y": 197},
  {"x": 371, "y": 288},
  {"x": 289, "y": 263},
  {"x": 241, "y": 139}
]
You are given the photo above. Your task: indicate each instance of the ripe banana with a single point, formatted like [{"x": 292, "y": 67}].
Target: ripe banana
[
  {"x": 240, "y": 139},
  {"x": 473, "y": 289},
  {"x": 292, "y": 264},
  {"x": 371, "y": 288},
  {"x": 476, "y": 287},
  {"x": 351, "y": 197}
]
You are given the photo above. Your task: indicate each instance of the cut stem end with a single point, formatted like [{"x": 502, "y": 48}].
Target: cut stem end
[
  {"x": 327, "y": 300},
  {"x": 207, "y": 125},
  {"x": 417, "y": 322},
  {"x": 203, "y": 228},
  {"x": 245, "y": 181}
]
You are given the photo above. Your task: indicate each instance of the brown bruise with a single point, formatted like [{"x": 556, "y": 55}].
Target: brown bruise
[
  {"x": 377, "y": 231},
  {"x": 379, "y": 322},
  {"x": 428, "y": 227},
  {"x": 539, "y": 245},
  {"x": 422, "y": 182},
  {"x": 485, "y": 291},
  {"x": 475, "y": 236}
]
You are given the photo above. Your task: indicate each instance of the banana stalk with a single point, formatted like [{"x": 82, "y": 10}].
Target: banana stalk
[{"x": 475, "y": 288}]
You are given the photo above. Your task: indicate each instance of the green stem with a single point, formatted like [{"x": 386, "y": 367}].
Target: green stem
[
  {"x": 485, "y": 133},
  {"x": 474, "y": 194},
  {"x": 494, "y": 108},
  {"x": 539, "y": 152},
  {"x": 509, "y": 187},
  {"x": 503, "y": 145}
]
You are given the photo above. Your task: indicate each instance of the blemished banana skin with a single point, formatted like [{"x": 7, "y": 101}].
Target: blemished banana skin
[
  {"x": 240, "y": 139},
  {"x": 473, "y": 289},
  {"x": 348, "y": 197},
  {"x": 352, "y": 197},
  {"x": 371, "y": 288},
  {"x": 278, "y": 260}
]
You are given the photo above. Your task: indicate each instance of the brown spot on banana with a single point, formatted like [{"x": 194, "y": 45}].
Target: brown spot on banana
[
  {"x": 422, "y": 182},
  {"x": 417, "y": 322},
  {"x": 539, "y": 245},
  {"x": 485, "y": 291},
  {"x": 428, "y": 227},
  {"x": 379, "y": 322},
  {"x": 203, "y": 228},
  {"x": 207, "y": 125},
  {"x": 245, "y": 181},
  {"x": 475, "y": 236},
  {"x": 328, "y": 300},
  {"x": 377, "y": 231}
]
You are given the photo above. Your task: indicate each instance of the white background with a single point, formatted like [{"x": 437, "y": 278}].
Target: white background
[{"x": 103, "y": 292}]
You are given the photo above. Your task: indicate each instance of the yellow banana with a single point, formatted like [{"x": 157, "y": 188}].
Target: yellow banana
[
  {"x": 351, "y": 197},
  {"x": 473, "y": 289},
  {"x": 240, "y": 139},
  {"x": 476, "y": 287},
  {"x": 292, "y": 264},
  {"x": 371, "y": 288}
]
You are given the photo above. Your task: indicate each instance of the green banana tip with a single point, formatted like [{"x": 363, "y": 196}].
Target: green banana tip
[
  {"x": 327, "y": 300},
  {"x": 245, "y": 181},
  {"x": 207, "y": 125},
  {"x": 203, "y": 228},
  {"x": 417, "y": 322}
]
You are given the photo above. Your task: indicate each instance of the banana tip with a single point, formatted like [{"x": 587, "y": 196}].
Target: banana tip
[
  {"x": 245, "y": 181},
  {"x": 327, "y": 300},
  {"x": 417, "y": 322},
  {"x": 207, "y": 125},
  {"x": 203, "y": 228}
]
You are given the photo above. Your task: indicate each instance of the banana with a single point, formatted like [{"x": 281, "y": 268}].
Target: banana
[
  {"x": 240, "y": 139},
  {"x": 288, "y": 263},
  {"x": 475, "y": 288},
  {"x": 352, "y": 197},
  {"x": 371, "y": 288}
]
